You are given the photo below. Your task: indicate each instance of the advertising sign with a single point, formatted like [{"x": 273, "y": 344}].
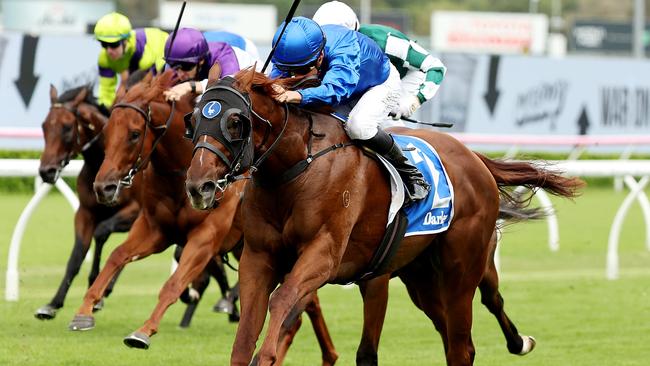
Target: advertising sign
[
  {"x": 501, "y": 33},
  {"x": 53, "y": 17}
]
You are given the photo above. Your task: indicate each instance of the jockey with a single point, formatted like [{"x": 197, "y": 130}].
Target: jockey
[
  {"x": 353, "y": 72},
  {"x": 421, "y": 73},
  {"x": 125, "y": 50},
  {"x": 192, "y": 57}
]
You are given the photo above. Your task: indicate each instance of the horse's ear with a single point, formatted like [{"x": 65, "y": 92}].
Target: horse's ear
[
  {"x": 121, "y": 91},
  {"x": 215, "y": 73},
  {"x": 148, "y": 77},
  {"x": 54, "y": 94},
  {"x": 83, "y": 93}
]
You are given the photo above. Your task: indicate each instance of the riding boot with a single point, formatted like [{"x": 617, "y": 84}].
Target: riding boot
[{"x": 417, "y": 188}]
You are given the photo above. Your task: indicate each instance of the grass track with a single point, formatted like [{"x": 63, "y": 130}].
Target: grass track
[{"x": 562, "y": 298}]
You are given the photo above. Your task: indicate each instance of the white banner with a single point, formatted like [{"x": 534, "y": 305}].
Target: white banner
[
  {"x": 53, "y": 17},
  {"x": 502, "y": 33},
  {"x": 255, "y": 22}
]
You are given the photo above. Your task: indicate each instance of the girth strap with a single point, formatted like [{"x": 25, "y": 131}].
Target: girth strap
[{"x": 387, "y": 248}]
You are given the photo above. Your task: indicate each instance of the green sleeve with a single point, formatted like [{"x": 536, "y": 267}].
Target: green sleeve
[{"x": 418, "y": 58}]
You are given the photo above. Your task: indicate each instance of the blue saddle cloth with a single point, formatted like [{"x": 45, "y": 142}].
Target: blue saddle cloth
[{"x": 433, "y": 214}]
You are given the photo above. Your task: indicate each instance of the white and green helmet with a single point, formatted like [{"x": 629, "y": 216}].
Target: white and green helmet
[{"x": 113, "y": 27}]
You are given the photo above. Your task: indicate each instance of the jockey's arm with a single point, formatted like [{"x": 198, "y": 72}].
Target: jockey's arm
[
  {"x": 107, "y": 85},
  {"x": 340, "y": 80},
  {"x": 418, "y": 58}
]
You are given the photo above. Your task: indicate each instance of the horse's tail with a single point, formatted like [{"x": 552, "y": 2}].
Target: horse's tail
[{"x": 508, "y": 174}]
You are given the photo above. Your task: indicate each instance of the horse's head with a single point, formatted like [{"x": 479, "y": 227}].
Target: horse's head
[
  {"x": 71, "y": 125},
  {"x": 130, "y": 133},
  {"x": 234, "y": 123}
]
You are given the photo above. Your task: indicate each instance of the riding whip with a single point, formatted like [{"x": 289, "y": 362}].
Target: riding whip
[
  {"x": 178, "y": 23},
  {"x": 292, "y": 11},
  {"x": 434, "y": 124}
]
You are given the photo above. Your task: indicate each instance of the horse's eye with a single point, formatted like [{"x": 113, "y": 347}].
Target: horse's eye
[
  {"x": 134, "y": 136},
  {"x": 66, "y": 128},
  {"x": 234, "y": 126}
]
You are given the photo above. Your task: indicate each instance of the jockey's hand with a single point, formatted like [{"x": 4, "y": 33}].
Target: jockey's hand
[
  {"x": 408, "y": 106},
  {"x": 287, "y": 96},
  {"x": 176, "y": 92}
]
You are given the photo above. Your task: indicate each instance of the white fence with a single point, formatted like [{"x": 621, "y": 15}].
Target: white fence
[
  {"x": 29, "y": 168},
  {"x": 628, "y": 170}
]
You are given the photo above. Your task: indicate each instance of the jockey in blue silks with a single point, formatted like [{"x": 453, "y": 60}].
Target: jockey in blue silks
[{"x": 354, "y": 73}]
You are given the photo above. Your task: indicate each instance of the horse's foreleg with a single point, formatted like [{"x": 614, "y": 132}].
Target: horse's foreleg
[
  {"x": 256, "y": 281},
  {"x": 311, "y": 270},
  {"x": 198, "y": 251},
  {"x": 490, "y": 297},
  {"x": 315, "y": 313},
  {"x": 142, "y": 241},
  {"x": 375, "y": 299},
  {"x": 121, "y": 221},
  {"x": 83, "y": 228}
]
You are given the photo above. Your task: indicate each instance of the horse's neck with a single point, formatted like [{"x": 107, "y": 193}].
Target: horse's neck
[
  {"x": 173, "y": 153},
  {"x": 306, "y": 133},
  {"x": 93, "y": 154}
]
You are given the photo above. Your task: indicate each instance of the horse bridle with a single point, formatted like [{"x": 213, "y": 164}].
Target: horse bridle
[
  {"x": 78, "y": 125},
  {"x": 239, "y": 163},
  {"x": 139, "y": 162}
]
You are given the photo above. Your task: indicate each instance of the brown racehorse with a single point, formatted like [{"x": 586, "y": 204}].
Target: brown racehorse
[
  {"x": 73, "y": 126},
  {"x": 322, "y": 224},
  {"x": 140, "y": 120}
]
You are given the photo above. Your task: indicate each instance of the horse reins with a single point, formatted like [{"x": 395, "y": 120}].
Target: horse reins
[
  {"x": 140, "y": 162},
  {"x": 78, "y": 125}
]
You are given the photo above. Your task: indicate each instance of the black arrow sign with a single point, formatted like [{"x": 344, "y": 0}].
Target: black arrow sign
[
  {"x": 26, "y": 82},
  {"x": 492, "y": 94},
  {"x": 583, "y": 122}
]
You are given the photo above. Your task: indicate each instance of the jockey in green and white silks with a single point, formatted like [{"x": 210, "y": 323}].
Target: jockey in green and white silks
[
  {"x": 356, "y": 76},
  {"x": 420, "y": 72},
  {"x": 125, "y": 50}
]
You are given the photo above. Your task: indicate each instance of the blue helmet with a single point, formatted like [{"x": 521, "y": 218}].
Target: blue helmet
[{"x": 300, "y": 45}]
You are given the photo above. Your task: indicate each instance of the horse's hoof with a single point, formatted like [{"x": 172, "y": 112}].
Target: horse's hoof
[
  {"x": 45, "y": 312},
  {"x": 82, "y": 322},
  {"x": 529, "y": 345},
  {"x": 137, "y": 340},
  {"x": 223, "y": 306},
  {"x": 99, "y": 306}
]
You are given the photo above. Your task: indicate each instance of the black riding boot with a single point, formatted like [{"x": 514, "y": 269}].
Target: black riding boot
[{"x": 416, "y": 187}]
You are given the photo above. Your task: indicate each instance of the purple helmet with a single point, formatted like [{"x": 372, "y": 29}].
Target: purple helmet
[{"x": 189, "y": 46}]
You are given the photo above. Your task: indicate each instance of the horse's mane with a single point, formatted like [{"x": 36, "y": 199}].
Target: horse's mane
[
  {"x": 70, "y": 94},
  {"x": 146, "y": 89},
  {"x": 249, "y": 80},
  {"x": 135, "y": 78}
]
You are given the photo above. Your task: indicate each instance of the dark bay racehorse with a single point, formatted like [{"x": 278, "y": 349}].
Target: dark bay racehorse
[
  {"x": 144, "y": 127},
  {"x": 73, "y": 126},
  {"x": 322, "y": 224}
]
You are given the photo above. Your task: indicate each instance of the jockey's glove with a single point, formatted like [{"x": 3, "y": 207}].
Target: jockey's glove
[{"x": 408, "y": 105}]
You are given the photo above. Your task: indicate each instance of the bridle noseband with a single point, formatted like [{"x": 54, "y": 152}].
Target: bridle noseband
[{"x": 127, "y": 180}]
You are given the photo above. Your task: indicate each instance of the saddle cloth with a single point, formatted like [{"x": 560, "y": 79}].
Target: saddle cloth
[{"x": 434, "y": 213}]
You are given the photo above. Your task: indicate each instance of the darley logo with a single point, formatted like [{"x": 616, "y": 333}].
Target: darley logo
[
  {"x": 211, "y": 109},
  {"x": 431, "y": 219}
]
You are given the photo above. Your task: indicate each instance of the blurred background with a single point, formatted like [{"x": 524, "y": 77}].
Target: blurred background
[{"x": 552, "y": 67}]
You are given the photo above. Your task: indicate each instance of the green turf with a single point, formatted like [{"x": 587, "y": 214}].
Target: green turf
[{"x": 562, "y": 298}]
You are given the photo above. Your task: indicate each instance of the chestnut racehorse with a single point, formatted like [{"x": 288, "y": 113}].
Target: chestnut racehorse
[
  {"x": 143, "y": 128},
  {"x": 317, "y": 211},
  {"x": 73, "y": 126}
]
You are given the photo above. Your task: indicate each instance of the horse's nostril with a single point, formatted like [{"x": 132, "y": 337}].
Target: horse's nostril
[
  {"x": 109, "y": 189},
  {"x": 47, "y": 174},
  {"x": 208, "y": 187}
]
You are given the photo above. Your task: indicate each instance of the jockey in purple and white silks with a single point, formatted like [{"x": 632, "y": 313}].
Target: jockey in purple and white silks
[
  {"x": 354, "y": 72},
  {"x": 192, "y": 57}
]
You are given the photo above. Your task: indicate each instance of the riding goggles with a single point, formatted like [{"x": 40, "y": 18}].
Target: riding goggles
[{"x": 183, "y": 66}]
